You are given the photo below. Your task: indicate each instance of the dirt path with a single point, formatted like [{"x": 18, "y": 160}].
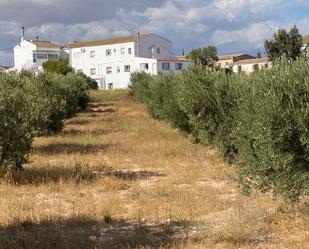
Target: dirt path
[{"x": 115, "y": 178}]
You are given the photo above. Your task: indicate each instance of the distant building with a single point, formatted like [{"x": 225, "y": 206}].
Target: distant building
[
  {"x": 227, "y": 61},
  {"x": 6, "y": 69},
  {"x": 111, "y": 61},
  {"x": 251, "y": 65},
  {"x": 305, "y": 47},
  {"x": 31, "y": 54}
]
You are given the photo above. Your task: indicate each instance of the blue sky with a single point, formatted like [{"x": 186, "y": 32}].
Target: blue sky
[{"x": 231, "y": 25}]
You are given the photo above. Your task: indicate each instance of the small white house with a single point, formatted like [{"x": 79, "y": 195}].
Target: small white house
[
  {"x": 31, "y": 54},
  {"x": 111, "y": 61},
  {"x": 305, "y": 47},
  {"x": 251, "y": 65}
]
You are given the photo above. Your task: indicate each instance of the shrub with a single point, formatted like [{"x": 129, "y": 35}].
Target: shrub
[
  {"x": 92, "y": 84},
  {"x": 209, "y": 99},
  {"x": 34, "y": 105},
  {"x": 139, "y": 86},
  {"x": 23, "y": 116},
  {"x": 260, "y": 121},
  {"x": 163, "y": 101},
  {"x": 61, "y": 66},
  {"x": 273, "y": 131}
]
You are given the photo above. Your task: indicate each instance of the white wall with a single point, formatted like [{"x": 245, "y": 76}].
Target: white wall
[
  {"x": 94, "y": 59},
  {"x": 185, "y": 65},
  {"x": 249, "y": 68},
  {"x": 23, "y": 55},
  {"x": 83, "y": 60}
]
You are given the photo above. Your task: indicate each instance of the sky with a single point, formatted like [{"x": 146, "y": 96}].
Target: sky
[{"x": 232, "y": 26}]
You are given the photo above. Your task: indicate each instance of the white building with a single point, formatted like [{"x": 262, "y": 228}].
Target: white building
[
  {"x": 251, "y": 65},
  {"x": 305, "y": 47},
  {"x": 31, "y": 54},
  {"x": 111, "y": 61}
]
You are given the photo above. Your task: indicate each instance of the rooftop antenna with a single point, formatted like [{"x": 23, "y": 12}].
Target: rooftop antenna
[{"x": 23, "y": 33}]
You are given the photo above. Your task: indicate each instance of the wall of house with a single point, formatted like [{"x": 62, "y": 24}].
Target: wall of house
[
  {"x": 172, "y": 66},
  {"x": 148, "y": 46},
  {"x": 23, "y": 55},
  {"x": 250, "y": 68},
  {"x": 114, "y": 70},
  {"x": 106, "y": 69},
  {"x": 225, "y": 63}
]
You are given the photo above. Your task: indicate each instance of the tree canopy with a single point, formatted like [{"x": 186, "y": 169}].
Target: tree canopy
[
  {"x": 206, "y": 56},
  {"x": 60, "y": 66},
  {"x": 284, "y": 43}
]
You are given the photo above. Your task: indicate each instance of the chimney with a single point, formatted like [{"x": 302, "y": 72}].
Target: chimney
[
  {"x": 37, "y": 37},
  {"x": 137, "y": 44}
]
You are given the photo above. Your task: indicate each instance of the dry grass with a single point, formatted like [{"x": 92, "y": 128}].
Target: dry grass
[{"x": 115, "y": 178}]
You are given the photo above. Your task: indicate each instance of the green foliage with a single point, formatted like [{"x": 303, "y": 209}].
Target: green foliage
[
  {"x": 92, "y": 84},
  {"x": 273, "y": 130},
  {"x": 139, "y": 86},
  {"x": 259, "y": 121},
  {"x": 60, "y": 66},
  {"x": 159, "y": 94},
  {"x": 34, "y": 105},
  {"x": 206, "y": 56},
  {"x": 284, "y": 43}
]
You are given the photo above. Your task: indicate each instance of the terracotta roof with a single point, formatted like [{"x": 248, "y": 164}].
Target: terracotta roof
[
  {"x": 230, "y": 56},
  {"x": 45, "y": 44},
  {"x": 173, "y": 59},
  {"x": 306, "y": 39},
  {"x": 132, "y": 38},
  {"x": 253, "y": 61}
]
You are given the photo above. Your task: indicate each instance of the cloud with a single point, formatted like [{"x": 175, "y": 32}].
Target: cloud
[{"x": 232, "y": 25}]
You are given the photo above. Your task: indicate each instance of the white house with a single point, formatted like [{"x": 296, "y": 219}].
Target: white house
[
  {"x": 305, "y": 47},
  {"x": 31, "y": 54},
  {"x": 111, "y": 61},
  {"x": 251, "y": 65}
]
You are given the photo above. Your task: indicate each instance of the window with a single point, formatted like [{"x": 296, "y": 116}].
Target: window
[
  {"x": 92, "y": 54},
  {"x": 109, "y": 70},
  {"x": 144, "y": 66},
  {"x": 41, "y": 56},
  {"x": 110, "y": 86},
  {"x": 53, "y": 56},
  {"x": 108, "y": 52},
  {"x": 93, "y": 71},
  {"x": 158, "y": 50},
  {"x": 178, "y": 66},
  {"x": 226, "y": 63},
  {"x": 127, "y": 68},
  {"x": 129, "y": 50},
  {"x": 165, "y": 66},
  {"x": 123, "y": 51},
  {"x": 79, "y": 70},
  {"x": 239, "y": 69},
  {"x": 118, "y": 70},
  {"x": 115, "y": 50}
]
